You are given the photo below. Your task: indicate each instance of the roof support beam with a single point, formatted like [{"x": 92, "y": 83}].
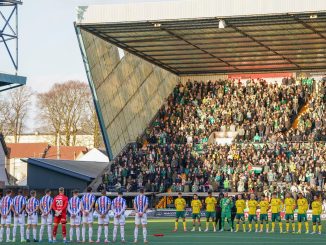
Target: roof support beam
[
  {"x": 307, "y": 26},
  {"x": 195, "y": 46},
  {"x": 263, "y": 45}
]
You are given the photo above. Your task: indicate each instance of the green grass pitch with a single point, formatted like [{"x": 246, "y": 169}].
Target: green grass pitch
[{"x": 165, "y": 226}]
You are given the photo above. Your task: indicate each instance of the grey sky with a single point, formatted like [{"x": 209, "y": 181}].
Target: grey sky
[{"x": 48, "y": 48}]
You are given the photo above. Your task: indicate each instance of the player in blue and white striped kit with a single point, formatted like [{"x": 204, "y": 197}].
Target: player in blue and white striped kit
[
  {"x": 5, "y": 211},
  {"x": 32, "y": 207},
  {"x": 74, "y": 209},
  {"x": 118, "y": 207},
  {"x": 87, "y": 204},
  {"x": 102, "y": 207},
  {"x": 140, "y": 206},
  {"x": 19, "y": 204},
  {"x": 46, "y": 214}
]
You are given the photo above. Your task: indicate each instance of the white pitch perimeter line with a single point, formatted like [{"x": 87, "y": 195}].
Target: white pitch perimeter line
[
  {"x": 224, "y": 242},
  {"x": 303, "y": 237}
]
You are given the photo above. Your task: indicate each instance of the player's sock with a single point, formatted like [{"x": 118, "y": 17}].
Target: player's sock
[
  {"x": 319, "y": 228},
  {"x": 27, "y": 233},
  {"x": 244, "y": 226},
  {"x": 267, "y": 226},
  {"x": 214, "y": 225},
  {"x": 250, "y": 226},
  {"x": 55, "y": 229},
  {"x": 184, "y": 225},
  {"x": 122, "y": 232},
  {"x": 106, "y": 232},
  {"x": 176, "y": 225},
  {"x": 222, "y": 224},
  {"x": 299, "y": 226},
  {"x": 293, "y": 227},
  {"x": 14, "y": 230},
  {"x": 237, "y": 226},
  {"x": 34, "y": 233},
  {"x": 1, "y": 233},
  {"x": 64, "y": 231},
  {"x": 273, "y": 225},
  {"x": 115, "y": 230},
  {"x": 84, "y": 232},
  {"x": 256, "y": 226},
  {"x": 41, "y": 232},
  {"x": 8, "y": 233},
  {"x": 99, "y": 232},
  {"x": 207, "y": 224},
  {"x": 49, "y": 232},
  {"x": 281, "y": 226},
  {"x": 287, "y": 227},
  {"x": 307, "y": 226},
  {"x": 77, "y": 233},
  {"x": 261, "y": 226},
  {"x": 71, "y": 233},
  {"x": 90, "y": 233},
  {"x": 145, "y": 233},
  {"x": 22, "y": 232},
  {"x": 136, "y": 233},
  {"x": 314, "y": 228}
]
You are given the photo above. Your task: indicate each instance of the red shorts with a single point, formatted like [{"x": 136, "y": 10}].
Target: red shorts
[{"x": 60, "y": 219}]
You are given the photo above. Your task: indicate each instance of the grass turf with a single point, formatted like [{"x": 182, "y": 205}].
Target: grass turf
[{"x": 165, "y": 226}]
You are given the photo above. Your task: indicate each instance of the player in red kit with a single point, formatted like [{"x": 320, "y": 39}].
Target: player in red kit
[{"x": 60, "y": 204}]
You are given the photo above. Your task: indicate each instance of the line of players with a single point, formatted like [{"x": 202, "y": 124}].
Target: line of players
[
  {"x": 54, "y": 211},
  {"x": 275, "y": 206}
]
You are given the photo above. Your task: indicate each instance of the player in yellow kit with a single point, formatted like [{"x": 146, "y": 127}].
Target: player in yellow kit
[
  {"x": 289, "y": 205},
  {"x": 196, "y": 207},
  {"x": 316, "y": 212},
  {"x": 180, "y": 205},
  {"x": 264, "y": 205},
  {"x": 276, "y": 206},
  {"x": 302, "y": 204},
  {"x": 240, "y": 205},
  {"x": 252, "y": 206},
  {"x": 210, "y": 203}
]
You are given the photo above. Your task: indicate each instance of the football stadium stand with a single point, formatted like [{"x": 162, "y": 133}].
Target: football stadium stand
[{"x": 218, "y": 96}]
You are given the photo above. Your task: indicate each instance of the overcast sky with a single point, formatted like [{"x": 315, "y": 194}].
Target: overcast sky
[{"x": 48, "y": 47}]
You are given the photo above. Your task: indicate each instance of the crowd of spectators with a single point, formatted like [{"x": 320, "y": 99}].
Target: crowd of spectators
[
  {"x": 312, "y": 123},
  {"x": 174, "y": 153}
]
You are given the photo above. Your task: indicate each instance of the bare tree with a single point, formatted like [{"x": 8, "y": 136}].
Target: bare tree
[
  {"x": 90, "y": 123},
  {"x": 14, "y": 110},
  {"x": 62, "y": 108}
]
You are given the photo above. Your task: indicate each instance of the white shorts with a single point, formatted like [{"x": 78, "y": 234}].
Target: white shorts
[
  {"x": 119, "y": 221},
  {"x": 19, "y": 220},
  {"x": 88, "y": 219},
  {"x": 103, "y": 221},
  {"x": 6, "y": 221},
  {"x": 47, "y": 220},
  {"x": 75, "y": 220},
  {"x": 32, "y": 219},
  {"x": 141, "y": 220}
]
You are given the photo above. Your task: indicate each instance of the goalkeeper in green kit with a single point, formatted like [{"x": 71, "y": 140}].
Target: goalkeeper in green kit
[{"x": 226, "y": 205}]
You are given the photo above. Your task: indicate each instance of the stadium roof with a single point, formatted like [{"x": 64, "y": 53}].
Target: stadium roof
[
  {"x": 185, "y": 37},
  {"x": 78, "y": 169}
]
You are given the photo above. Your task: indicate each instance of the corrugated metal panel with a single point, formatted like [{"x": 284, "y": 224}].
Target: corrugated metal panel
[{"x": 187, "y": 9}]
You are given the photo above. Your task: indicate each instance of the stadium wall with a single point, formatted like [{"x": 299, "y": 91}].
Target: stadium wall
[{"x": 129, "y": 90}]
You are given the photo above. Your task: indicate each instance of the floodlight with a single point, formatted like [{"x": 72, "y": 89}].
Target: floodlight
[{"x": 221, "y": 24}]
